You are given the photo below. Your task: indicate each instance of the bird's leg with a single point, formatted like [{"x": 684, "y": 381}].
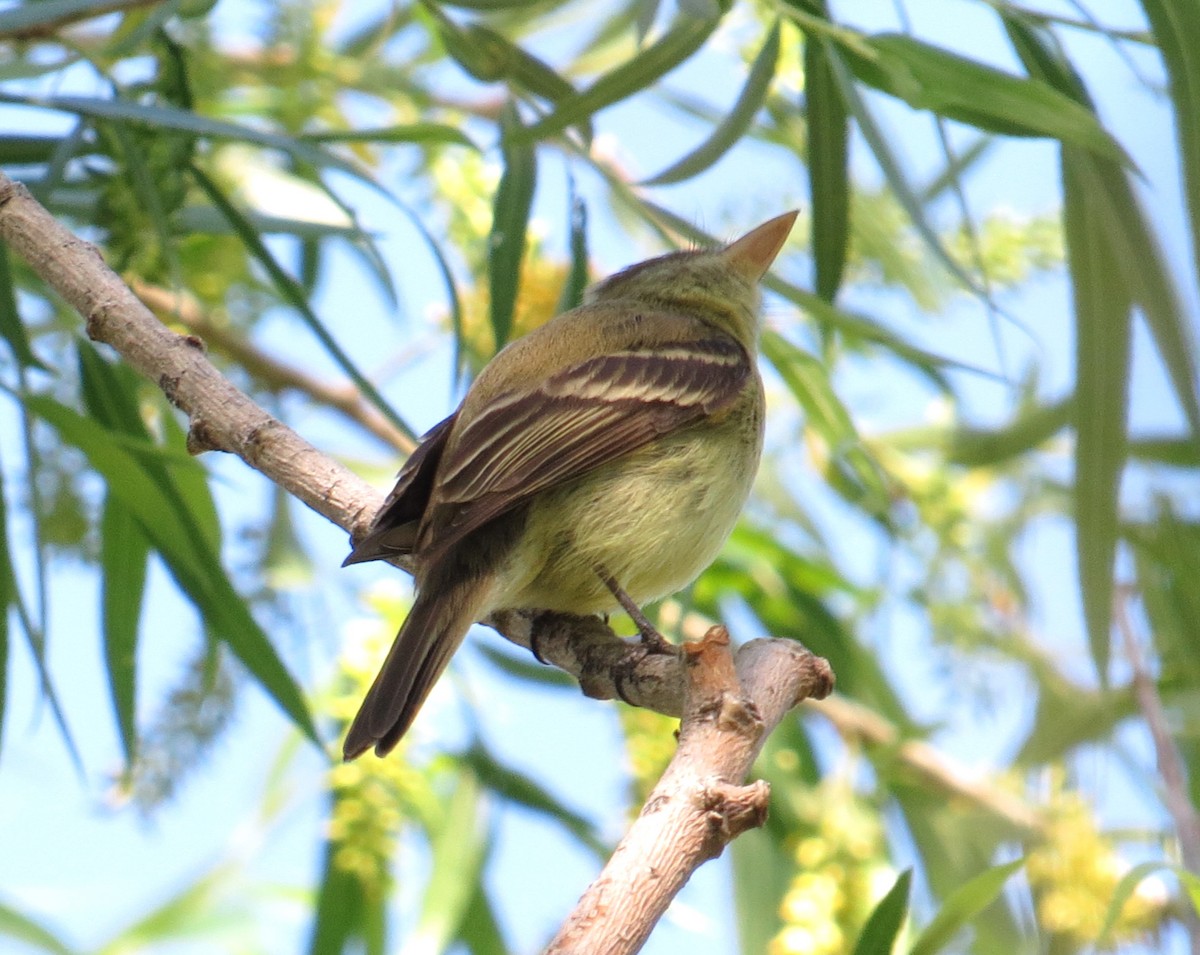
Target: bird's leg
[{"x": 651, "y": 638}]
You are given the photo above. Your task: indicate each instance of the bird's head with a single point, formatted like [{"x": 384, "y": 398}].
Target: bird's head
[{"x": 719, "y": 285}]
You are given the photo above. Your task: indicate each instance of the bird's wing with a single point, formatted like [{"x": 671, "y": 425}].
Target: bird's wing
[
  {"x": 394, "y": 529},
  {"x": 531, "y": 439}
]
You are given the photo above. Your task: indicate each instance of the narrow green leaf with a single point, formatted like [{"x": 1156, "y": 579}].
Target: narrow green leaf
[
  {"x": 809, "y": 385},
  {"x": 209, "y": 220},
  {"x": 1114, "y": 261},
  {"x": 1118, "y": 210},
  {"x": 577, "y": 277},
  {"x": 894, "y": 173},
  {"x": 518, "y": 788},
  {"x": 732, "y": 128},
  {"x": 975, "y": 447},
  {"x": 180, "y": 476},
  {"x": 8, "y": 596},
  {"x": 762, "y": 873},
  {"x": 108, "y": 396},
  {"x": 1139, "y": 255},
  {"x": 510, "y": 221},
  {"x": 1191, "y": 885},
  {"x": 1176, "y": 24},
  {"x": 955, "y": 843},
  {"x": 685, "y": 37},
  {"x": 1166, "y": 552},
  {"x": 1179, "y": 452},
  {"x": 480, "y": 930},
  {"x": 1122, "y": 893},
  {"x": 1103, "y": 329},
  {"x": 29, "y": 18},
  {"x": 505, "y": 61},
  {"x": 963, "y": 161},
  {"x": 885, "y": 922},
  {"x": 489, "y": 6},
  {"x": 789, "y": 594},
  {"x": 1069, "y": 715},
  {"x": 171, "y": 117},
  {"x": 422, "y": 133},
  {"x": 962, "y": 906},
  {"x": 340, "y": 896},
  {"x": 828, "y": 167},
  {"x": 859, "y": 477},
  {"x": 12, "y": 329},
  {"x": 294, "y": 295},
  {"x": 140, "y": 28},
  {"x": 194, "y": 567},
  {"x": 27, "y": 150},
  {"x": 491, "y": 57},
  {"x": 15, "y": 925},
  {"x": 647, "y": 13},
  {"x": 930, "y": 78},
  {"x": 197, "y": 911},
  {"x": 124, "y": 551},
  {"x": 459, "y": 848}
]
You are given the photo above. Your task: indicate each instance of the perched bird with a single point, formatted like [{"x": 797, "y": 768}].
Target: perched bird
[{"x": 599, "y": 462}]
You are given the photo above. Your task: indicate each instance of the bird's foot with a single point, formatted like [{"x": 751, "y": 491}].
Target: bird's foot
[{"x": 652, "y": 640}]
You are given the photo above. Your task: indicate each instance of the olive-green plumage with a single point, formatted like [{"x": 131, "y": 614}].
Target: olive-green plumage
[{"x": 616, "y": 444}]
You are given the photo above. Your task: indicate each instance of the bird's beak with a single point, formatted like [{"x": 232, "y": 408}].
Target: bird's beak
[{"x": 753, "y": 253}]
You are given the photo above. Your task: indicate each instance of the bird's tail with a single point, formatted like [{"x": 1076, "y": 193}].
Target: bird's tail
[{"x": 440, "y": 618}]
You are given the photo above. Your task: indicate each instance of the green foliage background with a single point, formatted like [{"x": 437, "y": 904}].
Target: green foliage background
[{"x": 457, "y": 117}]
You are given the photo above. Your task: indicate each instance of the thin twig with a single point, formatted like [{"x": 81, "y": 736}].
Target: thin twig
[{"x": 1170, "y": 765}]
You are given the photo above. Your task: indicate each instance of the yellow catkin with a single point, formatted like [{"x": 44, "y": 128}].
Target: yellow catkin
[{"x": 1074, "y": 874}]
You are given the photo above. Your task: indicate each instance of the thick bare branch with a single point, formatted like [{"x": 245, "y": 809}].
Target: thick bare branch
[
  {"x": 702, "y": 801},
  {"x": 220, "y": 416}
]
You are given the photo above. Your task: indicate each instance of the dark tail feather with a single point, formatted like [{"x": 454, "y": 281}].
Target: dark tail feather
[{"x": 435, "y": 627}]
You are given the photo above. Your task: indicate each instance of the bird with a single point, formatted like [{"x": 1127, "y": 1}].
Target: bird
[{"x": 595, "y": 464}]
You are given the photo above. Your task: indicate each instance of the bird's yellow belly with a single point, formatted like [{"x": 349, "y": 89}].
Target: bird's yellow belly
[{"x": 653, "y": 524}]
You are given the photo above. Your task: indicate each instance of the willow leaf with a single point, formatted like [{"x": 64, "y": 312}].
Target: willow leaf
[
  {"x": 1103, "y": 330},
  {"x": 828, "y": 167},
  {"x": 733, "y": 127},
  {"x": 685, "y": 37},
  {"x": 510, "y": 223}
]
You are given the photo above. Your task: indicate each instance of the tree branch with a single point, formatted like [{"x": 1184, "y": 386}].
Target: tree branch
[
  {"x": 220, "y": 416},
  {"x": 701, "y": 803},
  {"x": 275, "y": 374},
  {"x": 1170, "y": 764}
]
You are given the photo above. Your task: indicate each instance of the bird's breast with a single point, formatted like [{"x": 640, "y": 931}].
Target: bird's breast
[{"x": 653, "y": 520}]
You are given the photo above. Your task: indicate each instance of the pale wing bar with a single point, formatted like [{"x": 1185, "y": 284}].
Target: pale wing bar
[{"x": 577, "y": 420}]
